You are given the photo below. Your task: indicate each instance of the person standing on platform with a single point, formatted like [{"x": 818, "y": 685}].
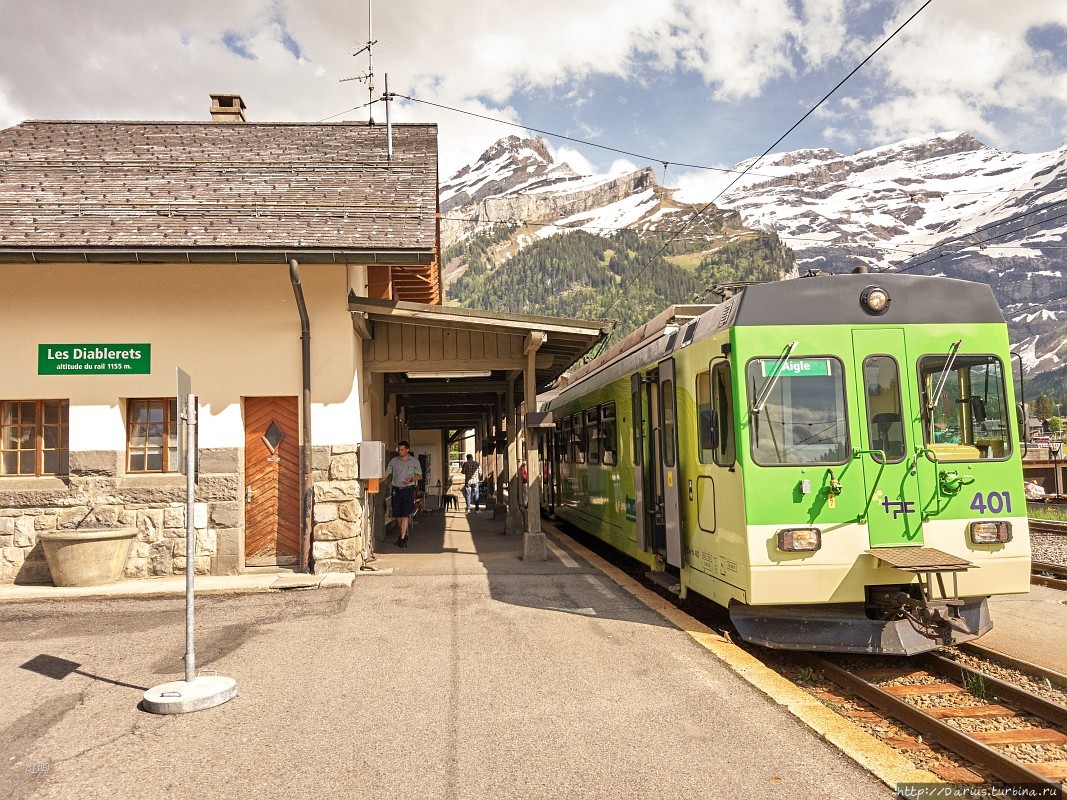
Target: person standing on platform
[
  {"x": 472, "y": 475},
  {"x": 404, "y": 472}
]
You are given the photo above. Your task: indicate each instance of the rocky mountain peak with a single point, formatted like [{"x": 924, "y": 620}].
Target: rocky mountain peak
[
  {"x": 518, "y": 149},
  {"x": 509, "y": 165}
]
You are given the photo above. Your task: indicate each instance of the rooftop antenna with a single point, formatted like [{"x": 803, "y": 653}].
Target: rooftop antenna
[{"x": 368, "y": 76}]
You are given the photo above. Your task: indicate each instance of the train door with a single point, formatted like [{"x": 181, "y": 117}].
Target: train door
[
  {"x": 546, "y": 449},
  {"x": 637, "y": 419},
  {"x": 654, "y": 518},
  {"x": 667, "y": 464},
  {"x": 887, "y": 395}
]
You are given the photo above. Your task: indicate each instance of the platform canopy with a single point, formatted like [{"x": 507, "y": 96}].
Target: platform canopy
[{"x": 449, "y": 366}]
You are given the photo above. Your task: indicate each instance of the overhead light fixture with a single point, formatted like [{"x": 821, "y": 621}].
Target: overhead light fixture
[{"x": 467, "y": 373}]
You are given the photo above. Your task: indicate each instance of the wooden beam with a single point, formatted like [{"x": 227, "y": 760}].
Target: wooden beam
[
  {"x": 464, "y": 365},
  {"x": 533, "y": 341},
  {"x": 362, "y": 326},
  {"x": 458, "y": 385}
]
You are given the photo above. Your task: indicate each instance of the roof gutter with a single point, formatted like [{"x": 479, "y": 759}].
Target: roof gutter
[
  {"x": 306, "y": 483},
  {"x": 248, "y": 255}
]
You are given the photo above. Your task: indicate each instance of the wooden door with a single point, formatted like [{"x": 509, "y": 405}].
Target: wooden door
[{"x": 272, "y": 481}]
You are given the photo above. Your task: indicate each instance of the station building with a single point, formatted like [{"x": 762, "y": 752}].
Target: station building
[{"x": 293, "y": 272}]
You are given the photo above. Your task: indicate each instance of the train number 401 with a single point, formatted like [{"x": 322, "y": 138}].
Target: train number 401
[{"x": 994, "y": 502}]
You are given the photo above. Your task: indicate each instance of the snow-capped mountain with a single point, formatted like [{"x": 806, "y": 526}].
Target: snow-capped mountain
[
  {"x": 946, "y": 204},
  {"x": 517, "y": 180}
]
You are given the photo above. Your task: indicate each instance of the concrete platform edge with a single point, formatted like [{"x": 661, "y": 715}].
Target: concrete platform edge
[{"x": 877, "y": 758}]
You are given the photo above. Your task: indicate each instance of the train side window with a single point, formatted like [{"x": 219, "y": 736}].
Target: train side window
[
  {"x": 667, "y": 388},
  {"x": 565, "y": 442},
  {"x": 885, "y": 419},
  {"x": 581, "y": 445},
  {"x": 561, "y": 443},
  {"x": 705, "y": 418},
  {"x": 723, "y": 415},
  {"x": 965, "y": 413},
  {"x": 803, "y": 417},
  {"x": 609, "y": 435},
  {"x": 592, "y": 435}
]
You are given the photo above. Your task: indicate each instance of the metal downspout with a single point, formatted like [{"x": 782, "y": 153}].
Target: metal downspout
[{"x": 306, "y": 563}]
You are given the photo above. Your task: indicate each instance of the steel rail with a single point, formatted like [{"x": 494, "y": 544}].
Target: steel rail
[
  {"x": 1002, "y": 767},
  {"x": 1055, "y": 575},
  {"x": 980, "y": 650},
  {"x": 1053, "y": 569},
  {"x": 1038, "y": 525},
  {"x": 1026, "y": 700}
]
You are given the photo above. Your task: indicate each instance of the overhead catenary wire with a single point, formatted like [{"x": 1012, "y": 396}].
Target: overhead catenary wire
[
  {"x": 350, "y": 110},
  {"x": 585, "y": 142},
  {"x": 741, "y": 173},
  {"x": 1038, "y": 304},
  {"x": 947, "y": 243},
  {"x": 778, "y": 141}
]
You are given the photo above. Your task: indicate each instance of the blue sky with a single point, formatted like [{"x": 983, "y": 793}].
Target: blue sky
[{"x": 700, "y": 81}]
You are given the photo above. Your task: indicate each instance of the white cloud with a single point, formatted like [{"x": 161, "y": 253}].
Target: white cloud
[
  {"x": 958, "y": 65},
  {"x": 968, "y": 67},
  {"x": 578, "y": 162},
  {"x": 130, "y": 59},
  {"x": 9, "y": 114},
  {"x": 699, "y": 186},
  {"x": 621, "y": 166}
]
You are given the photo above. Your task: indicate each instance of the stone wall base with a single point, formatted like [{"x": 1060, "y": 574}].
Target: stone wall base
[
  {"x": 339, "y": 502},
  {"x": 97, "y": 493}
]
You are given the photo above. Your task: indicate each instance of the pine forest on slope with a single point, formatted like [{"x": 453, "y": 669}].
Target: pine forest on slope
[
  {"x": 945, "y": 204},
  {"x": 590, "y": 276}
]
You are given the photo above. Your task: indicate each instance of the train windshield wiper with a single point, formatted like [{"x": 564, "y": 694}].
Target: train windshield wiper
[
  {"x": 944, "y": 375},
  {"x": 776, "y": 371}
]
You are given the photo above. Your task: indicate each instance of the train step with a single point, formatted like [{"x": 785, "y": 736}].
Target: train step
[{"x": 669, "y": 582}]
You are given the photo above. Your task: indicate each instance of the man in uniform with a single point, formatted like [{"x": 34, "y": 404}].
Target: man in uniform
[{"x": 404, "y": 472}]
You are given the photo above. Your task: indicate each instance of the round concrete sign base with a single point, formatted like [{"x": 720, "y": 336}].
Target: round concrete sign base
[{"x": 181, "y": 697}]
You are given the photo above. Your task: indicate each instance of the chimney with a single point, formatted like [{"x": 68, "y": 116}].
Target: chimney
[{"x": 227, "y": 108}]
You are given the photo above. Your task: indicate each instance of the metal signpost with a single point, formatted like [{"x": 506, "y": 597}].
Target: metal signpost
[{"x": 196, "y": 692}]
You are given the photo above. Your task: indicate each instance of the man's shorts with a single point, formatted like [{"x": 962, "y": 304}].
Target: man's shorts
[{"x": 403, "y": 501}]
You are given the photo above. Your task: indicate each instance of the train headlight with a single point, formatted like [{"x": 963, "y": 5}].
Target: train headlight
[
  {"x": 799, "y": 540},
  {"x": 875, "y": 300},
  {"x": 990, "y": 532}
]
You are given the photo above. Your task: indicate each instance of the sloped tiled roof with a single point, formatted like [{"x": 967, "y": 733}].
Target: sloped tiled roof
[{"x": 217, "y": 186}]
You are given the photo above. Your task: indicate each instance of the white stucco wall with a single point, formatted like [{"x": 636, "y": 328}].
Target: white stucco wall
[{"x": 233, "y": 327}]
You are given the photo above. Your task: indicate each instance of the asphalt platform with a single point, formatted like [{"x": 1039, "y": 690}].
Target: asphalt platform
[{"x": 455, "y": 671}]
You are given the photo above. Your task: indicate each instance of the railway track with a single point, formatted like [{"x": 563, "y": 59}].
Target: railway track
[
  {"x": 1045, "y": 574},
  {"x": 1048, "y": 540},
  {"x": 1047, "y": 526},
  {"x": 1025, "y": 745}
]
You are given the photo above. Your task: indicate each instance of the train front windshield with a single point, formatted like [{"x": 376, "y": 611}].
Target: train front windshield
[
  {"x": 802, "y": 415},
  {"x": 966, "y": 413}
]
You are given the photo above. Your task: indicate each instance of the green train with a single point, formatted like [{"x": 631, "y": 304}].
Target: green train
[{"x": 835, "y": 459}]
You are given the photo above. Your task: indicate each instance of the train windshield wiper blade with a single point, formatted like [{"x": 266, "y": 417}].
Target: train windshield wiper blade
[
  {"x": 776, "y": 371},
  {"x": 953, "y": 351}
]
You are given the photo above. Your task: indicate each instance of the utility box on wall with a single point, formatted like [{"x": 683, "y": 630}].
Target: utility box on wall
[{"x": 372, "y": 460}]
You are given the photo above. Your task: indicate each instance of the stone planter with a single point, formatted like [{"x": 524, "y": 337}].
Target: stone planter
[{"x": 86, "y": 557}]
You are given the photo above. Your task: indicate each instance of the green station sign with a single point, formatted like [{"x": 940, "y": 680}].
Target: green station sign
[
  {"x": 94, "y": 359},
  {"x": 799, "y": 367}
]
